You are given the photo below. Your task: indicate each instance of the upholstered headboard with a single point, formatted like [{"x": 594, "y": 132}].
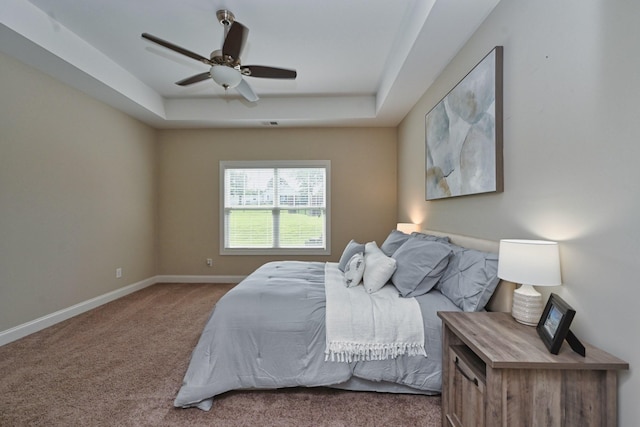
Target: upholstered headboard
[{"x": 502, "y": 298}]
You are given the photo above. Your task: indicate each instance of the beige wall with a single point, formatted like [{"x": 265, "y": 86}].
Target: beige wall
[
  {"x": 85, "y": 189},
  {"x": 363, "y": 191},
  {"x": 77, "y": 196},
  {"x": 571, "y": 90}
]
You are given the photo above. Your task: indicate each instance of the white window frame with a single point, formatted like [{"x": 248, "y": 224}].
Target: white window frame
[{"x": 231, "y": 164}]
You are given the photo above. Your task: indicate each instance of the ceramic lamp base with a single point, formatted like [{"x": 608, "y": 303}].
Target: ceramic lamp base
[{"x": 527, "y": 305}]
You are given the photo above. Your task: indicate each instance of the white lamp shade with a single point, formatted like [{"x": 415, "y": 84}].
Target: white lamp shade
[
  {"x": 226, "y": 76},
  {"x": 407, "y": 227},
  {"x": 529, "y": 262}
]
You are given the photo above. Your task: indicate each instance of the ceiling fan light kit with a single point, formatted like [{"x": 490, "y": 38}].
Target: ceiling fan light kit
[
  {"x": 226, "y": 69},
  {"x": 226, "y": 77}
]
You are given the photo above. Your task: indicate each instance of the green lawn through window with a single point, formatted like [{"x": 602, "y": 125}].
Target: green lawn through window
[{"x": 298, "y": 228}]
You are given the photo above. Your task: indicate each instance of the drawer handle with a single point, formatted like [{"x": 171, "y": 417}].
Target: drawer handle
[{"x": 464, "y": 374}]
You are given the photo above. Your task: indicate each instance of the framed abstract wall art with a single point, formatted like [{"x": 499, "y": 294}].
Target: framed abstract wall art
[{"x": 464, "y": 135}]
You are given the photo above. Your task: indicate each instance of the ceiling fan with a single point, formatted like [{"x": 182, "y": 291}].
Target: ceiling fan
[{"x": 226, "y": 69}]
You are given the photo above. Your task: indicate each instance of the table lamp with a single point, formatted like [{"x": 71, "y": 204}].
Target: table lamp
[{"x": 529, "y": 262}]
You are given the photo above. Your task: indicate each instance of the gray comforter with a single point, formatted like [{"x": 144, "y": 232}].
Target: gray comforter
[{"x": 269, "y": 332}]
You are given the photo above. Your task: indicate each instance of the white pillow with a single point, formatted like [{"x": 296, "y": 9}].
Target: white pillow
[
  {"x": 378, "y": 268},
  {"x": 354, "y": 270}
]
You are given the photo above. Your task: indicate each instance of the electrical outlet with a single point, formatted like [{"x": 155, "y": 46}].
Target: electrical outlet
[
  {"x": 209, "y": 262},
  {"x": 118, "y": 273}
]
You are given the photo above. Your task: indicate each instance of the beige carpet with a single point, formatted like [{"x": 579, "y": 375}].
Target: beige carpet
[{"x": 122, "y": 365}]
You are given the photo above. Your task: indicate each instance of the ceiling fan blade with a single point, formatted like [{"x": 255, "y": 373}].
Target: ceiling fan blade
[
  {"x": 268, "y": 72},
  {"x": 234, "y": 42},
  {"x": 177, "y": 48},
  {"x": 245, "y": 90},
  {"x": 194, "y": 79}
]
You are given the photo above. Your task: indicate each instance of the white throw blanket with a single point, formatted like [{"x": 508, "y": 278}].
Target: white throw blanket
[{"x": 362, "y": 326}]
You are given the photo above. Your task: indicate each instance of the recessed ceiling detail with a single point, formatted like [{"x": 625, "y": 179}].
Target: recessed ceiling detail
[{"x": 357, "y": 64}]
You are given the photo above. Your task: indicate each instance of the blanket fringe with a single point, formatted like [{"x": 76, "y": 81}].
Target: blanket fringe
[{"x": 355, "y": 352}]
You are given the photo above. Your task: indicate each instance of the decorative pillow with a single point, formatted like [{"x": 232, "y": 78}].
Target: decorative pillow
[
  {"x": 350, "y": 250},
  {"x": 420, "y": 263},
  {"x": 470, "y": 278},
  {"x": 354, "y": 270},
  {"x": 378, "y": 268},
  {"x": 394, "y": 240}
]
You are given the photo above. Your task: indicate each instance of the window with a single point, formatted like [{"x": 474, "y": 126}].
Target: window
[{"x": 277, "y": 207}]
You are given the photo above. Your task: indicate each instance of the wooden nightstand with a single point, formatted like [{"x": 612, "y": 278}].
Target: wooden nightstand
[{"x": 498, "y": 372}]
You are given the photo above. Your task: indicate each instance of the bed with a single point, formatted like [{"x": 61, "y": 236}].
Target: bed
[{"x": 270, "y": 331}]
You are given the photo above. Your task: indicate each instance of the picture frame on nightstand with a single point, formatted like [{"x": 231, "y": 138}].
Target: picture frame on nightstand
[{"x": 553, "y": 326}]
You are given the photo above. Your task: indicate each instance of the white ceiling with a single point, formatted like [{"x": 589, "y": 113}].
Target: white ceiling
[{"x": 359, "y": 62}]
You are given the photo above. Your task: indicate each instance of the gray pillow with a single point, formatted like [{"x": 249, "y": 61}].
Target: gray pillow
[
  {"x": 420, "y": 264},
  {"x": 350, "y": 250},
  {"x": 394, "y": 240},
  {"x": 470, "y": 278},
  {"x": 441, "y": 239}
]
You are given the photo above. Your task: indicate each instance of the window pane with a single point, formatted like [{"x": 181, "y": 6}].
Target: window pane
[
  {"x": 302, "y": 228},
  {"x": 249, "y": 187},
  {"x": 250, "y": 228},
  {"x": 301, "y": 187}
]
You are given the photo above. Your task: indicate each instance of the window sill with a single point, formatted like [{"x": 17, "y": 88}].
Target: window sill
[{"x": 280, "y": 251}]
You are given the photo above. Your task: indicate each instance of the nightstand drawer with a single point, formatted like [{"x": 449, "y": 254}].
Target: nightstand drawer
[{"x": 467, "y": 383}]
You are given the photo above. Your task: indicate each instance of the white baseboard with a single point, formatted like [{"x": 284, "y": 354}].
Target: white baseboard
[
  {"x": 43, "y": 322},
  {"x": 198, "y": 279}
]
